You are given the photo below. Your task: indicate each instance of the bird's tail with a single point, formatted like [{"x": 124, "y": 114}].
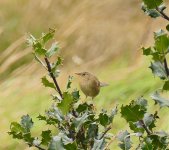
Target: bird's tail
[{"x": 102, "y": 84}]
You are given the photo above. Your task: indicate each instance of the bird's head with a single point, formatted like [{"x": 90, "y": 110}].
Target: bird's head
[{"x": 84, "y": 75}]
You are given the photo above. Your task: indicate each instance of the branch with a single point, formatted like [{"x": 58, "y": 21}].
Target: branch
[
  {"x": 166, "y": 66},
  {"x": 104, "y": 133},
  {"x": 53, "y": 77},
  {"x": 144, "y": 126},
  {"x": 162, "y": 14},
  {"x": 40, "y": 148}
]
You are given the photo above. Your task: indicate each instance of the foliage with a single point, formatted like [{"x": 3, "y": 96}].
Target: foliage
[{"x": 79, "y": 126}]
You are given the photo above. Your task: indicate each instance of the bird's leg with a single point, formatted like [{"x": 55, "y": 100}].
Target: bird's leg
[
  {"x": 84, "y": 100},
  {"x": 92, "y": 104}
]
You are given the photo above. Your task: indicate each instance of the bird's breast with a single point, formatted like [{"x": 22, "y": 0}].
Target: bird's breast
[{"x": 90, "y": 87}]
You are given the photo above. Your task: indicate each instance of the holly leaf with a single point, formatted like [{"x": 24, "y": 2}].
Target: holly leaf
[
  {"x": 99, "y": 144},
  {"x": 161, "y": 41},
  {"x": 69, "y": 82},
  {"x": 124, "y": 138},
  {"x": 103, "y": 119},
  {"x": 78, "y": 122},
  {"x": 163, "y": 102},
  {"x": 134, "y": 111},
  {"x": 46, "y": 137},
  {"x": 147, "y": 144},
  {"x": 158, "y": 70},
  {"x": 76, "y": 95},
  {"x": 16, "y": 130},
  {"x": 152, "y": 4},
  {"x": 56, "y": 144},
  {"x": 167, "y": 27},
  {"x": 26, "y": 123},
  {"x": 166, "y": 86},
  {"x": 56, "y": 114},
  {"x": 46, "y": 83},
  {"x": 47, "y": 36},
  {"x": 150, "y": 12},
  {"x": 92, "y": 131},
  {"x": 66, "y": 104},
  {"x": 147, "y": 51},
  {"x": 49, "y": 121},
  {"x": 52, "y": 50},
  {"x": 83, "y": 107}
]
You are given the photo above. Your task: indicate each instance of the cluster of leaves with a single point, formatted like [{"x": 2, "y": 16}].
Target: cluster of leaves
[
  {"x": 141, "y": 123},
  {"x": 159, "y": 50},
  {"x": 77, "y": 124}
]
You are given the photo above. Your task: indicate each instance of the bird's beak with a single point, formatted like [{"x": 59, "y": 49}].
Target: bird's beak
[{"x": 78, "y": 74}]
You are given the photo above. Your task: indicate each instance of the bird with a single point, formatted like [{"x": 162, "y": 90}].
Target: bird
[{"x": 89, "y": 84}]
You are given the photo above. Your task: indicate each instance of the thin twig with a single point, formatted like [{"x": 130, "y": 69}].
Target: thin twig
[
  {"x": 110, "y": 142},
  {"x": 162, "y": 14},
  {"x": 107, "y": 129},
  {"x": 166, "y": 67},
  {"x": 40, "y": 148},
  {"x": 53, "y": 77},
  {"x": 144, "y": 126}
]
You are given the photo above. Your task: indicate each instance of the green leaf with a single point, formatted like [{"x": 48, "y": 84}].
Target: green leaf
[
  {"x": 147, "y": 144},
  {"x": 71, "y": 146},
  {"x": 124, "y": 138},
  {"x": 159, "y": 140},
  {"x": 54, "y": 48},
  {"x": 46, "y": 37},
  {"x": 163, "y": 102},
  {"x": 16, "y": 130},
  {"x": 147, "y": 51},
  {"x": 167, "y": 27},
  {"x": 136, "y": 127},
  {"x": 151, "y": 4},
  {"x": 134, "y": 111},
  {"x": 83, "y": 107},
  {"x": 50, "y": 121},
  {"x": 46, "y": 137},
  {"x": 161, "y": 41},
  {"x": 158, "y": 70},
  {"x": 46, "y": 83},
  {"x": 26, "y": 123},
  {"x": 27, "y": 137},
  {"x": 69, "y": 82},
  {"x": 99, "y": 144},
  {"x": 66, "y": 104},
  {"x": 76, "y": 95},
  {"x": 166, "y": 86},
  {"x": 103, "y": 119}
]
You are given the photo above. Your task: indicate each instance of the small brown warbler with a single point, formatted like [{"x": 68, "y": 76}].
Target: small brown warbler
[{"x": 89, "y": 84}]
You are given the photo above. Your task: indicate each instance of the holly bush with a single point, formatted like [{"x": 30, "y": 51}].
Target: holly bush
[{"x": 76, "y": 125}]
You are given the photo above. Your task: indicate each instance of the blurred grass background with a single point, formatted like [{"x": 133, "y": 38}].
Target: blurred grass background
[{"x": 102, "y": 37}]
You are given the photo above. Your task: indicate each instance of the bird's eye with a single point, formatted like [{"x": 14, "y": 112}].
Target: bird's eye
[{"x": 83, "y": 74}]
